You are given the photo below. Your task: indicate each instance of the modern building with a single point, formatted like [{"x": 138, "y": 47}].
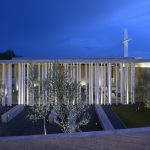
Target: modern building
[{"x": 105, "y": 80}]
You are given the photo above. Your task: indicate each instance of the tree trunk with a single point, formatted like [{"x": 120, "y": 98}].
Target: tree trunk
[
  {"x": 44, "y": 126},
  {"x": 72, "y": 121}
]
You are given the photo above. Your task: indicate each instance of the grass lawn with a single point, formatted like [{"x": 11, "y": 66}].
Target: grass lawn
[{"x": 133, "y": 118}]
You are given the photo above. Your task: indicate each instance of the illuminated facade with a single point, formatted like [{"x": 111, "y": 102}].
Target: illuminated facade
[{"x": 105, "y": 80}]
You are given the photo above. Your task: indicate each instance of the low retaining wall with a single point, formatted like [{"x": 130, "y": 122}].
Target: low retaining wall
[
  {"x": 13, "y": 112},
  {"x": 105, "y": 122},
  {"x": 76, "y": 135},
  {"x": 122, "y": 139}
]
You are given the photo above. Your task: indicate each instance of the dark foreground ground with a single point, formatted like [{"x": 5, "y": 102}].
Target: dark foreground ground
[{"x": 21, "y": 125}]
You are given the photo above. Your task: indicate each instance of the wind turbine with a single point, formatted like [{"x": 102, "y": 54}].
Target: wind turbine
[{"x": 126, "y": 42}]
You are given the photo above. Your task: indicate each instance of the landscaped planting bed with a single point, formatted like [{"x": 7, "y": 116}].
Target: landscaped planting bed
[
  {"x": 4, "y": 109},
  {"x": 21, "y": 125},
  {"x": 132, "y": 116}
]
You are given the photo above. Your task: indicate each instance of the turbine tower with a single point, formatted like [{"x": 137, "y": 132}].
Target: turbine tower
[{"x": 125, "y": 42}]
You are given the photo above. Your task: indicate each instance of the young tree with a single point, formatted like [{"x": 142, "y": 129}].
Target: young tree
[
  {"x": 3, "y": 94},
  {"x": 61, "y": 94},
  {"x": 67, "y": 100},
  {"x": 38, "y": 110}
]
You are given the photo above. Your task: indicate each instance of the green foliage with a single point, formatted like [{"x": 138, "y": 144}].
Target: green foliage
[
  {"x": 71, "y": 117},
  {"x": 143, "y": 88},
  {"x": 8, "y": 54},
  {"x": 2, "y": 93},
  {"x": 70, "y": 104},
  {"x": 38, "y": 112},
  {"x": 147, "y": 103}
]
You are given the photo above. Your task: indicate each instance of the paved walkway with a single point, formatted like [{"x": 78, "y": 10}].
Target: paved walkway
[
  {"x": 106, "y": 124},
  {"x": 114, "y": 119},
  {"x": 124, "y": 139}
]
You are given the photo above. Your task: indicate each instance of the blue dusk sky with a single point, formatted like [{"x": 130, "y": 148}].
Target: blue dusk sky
[{"x": 74, "y": 28}]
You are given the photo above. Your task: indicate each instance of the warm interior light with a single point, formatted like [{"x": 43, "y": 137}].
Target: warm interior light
[
  {"x": 83, "y": 83},
  {"x": 143, "y": 65},
  {"x": 17, "y": 86},
  {"x": 35, "y": 84}
]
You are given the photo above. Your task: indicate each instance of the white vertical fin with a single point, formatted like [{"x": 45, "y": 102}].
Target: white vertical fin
[{"x": 126, "y": 42}]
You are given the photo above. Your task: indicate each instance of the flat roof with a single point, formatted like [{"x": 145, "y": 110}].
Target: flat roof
[{"x": 74, "y": 60}]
